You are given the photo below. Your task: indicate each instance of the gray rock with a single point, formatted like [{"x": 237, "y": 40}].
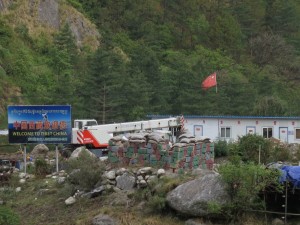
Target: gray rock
[
  {"x": 277, "y": 221},
  {"x": 140, "y": 178},
  {"x": 119, "y": 199},
  {"x": 76, "y": 153},
  {"x": 201, "y": 172},
  {"x": 94, "y": 193},
  {"x": 103, "y": 220},
  {"x": 111, "y": 175},
  {"x": 145, "y": 170},
  {"x": 192, "y": 198},
  {"x": 70, "y": 201},
  {"x": 161, "y": 172},
  {"x": 152, "y": 179},
  {"x": 22, "y": 181},
  {"x": 61, "y": 180},
  {"x": 48, "y": 13},
  {"x": 116, "y": 189},
  {"x": 22, "y": 175},
  {"x": 40, "y": 149},
  {"x": 18, "y": 189},
  {"x": 142, "y": 184},
  {"x": 121, "y": 171},
  {"x": 112, "y": 182},
  {"x": 125, "y": 182},
  {"x": 193, "y": 222},
  {"x": 4, "y": 5}
]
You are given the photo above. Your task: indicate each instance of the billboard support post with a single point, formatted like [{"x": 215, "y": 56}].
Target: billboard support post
[
  {"x": 25, "y": 159},
  {"x": 56, "y": 154}
]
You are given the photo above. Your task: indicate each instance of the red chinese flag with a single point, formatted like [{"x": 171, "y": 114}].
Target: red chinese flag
[{"x": 210, "y": 81}]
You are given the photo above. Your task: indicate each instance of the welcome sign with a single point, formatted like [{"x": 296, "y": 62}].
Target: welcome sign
[{"x": 39, "y": 124}]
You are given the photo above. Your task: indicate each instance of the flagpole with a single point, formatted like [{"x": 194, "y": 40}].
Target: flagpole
[{"x": 216, "y": 84}]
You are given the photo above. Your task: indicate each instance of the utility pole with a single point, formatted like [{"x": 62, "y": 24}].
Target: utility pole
[
  {"x": 259, "y": 150},
  {"x": 103, "y": 105}
]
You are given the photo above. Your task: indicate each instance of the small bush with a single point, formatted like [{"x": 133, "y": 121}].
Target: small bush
[
  {"x": 7, "y": 216},
  {"x": 280, "y": 153},
  {"x": 249, "y": 148},
  {"x": 296, "y": 155},
  {"x": 67, "y": 190},
  {"x": 85, "y": 171},
  {"x": 221, "y": 148},
  {"x": 157, "y": 203},
  {"x": 42, "y": 168},
  {"x": 245, "y": 182}
]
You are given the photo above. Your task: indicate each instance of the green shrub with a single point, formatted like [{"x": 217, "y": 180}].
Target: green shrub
[
  {"x": 8, "y": 217},
  {"x": 244, "y": 183},
  {"x": 85, "y": 171},
  {"x": 280, "y": 153},
  {"x": 156, "y": 191},
  {"x": 221, "y": 148},
  {"x": 249, "y": 148},
  {"x": 67, "y": 190},
  {"x": 42, "y": 168},
  {"x": 157, "y": 203},
  {"x": 296, "y": 155}
]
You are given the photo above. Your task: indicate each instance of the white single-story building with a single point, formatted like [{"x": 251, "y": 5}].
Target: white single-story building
[{"x": 229, "y": 128}]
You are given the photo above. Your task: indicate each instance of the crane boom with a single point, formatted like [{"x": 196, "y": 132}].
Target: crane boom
[{"x": 88, "y": 132}]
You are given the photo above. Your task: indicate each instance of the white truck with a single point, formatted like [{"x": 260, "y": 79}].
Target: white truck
[{"x": 87, "y": 132}]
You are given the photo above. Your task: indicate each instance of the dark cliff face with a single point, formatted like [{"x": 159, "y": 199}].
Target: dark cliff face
[
  {"x": 4, "y": 4},
  {"x": 48, "y": 16},
  {"x": 48, "y": 13}
]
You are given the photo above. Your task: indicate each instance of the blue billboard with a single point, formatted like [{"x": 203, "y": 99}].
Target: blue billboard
[{"x": 47, "y": 124}]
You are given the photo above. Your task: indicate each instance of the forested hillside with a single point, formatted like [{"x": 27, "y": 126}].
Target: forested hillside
[{"x": 150, "y": 57}]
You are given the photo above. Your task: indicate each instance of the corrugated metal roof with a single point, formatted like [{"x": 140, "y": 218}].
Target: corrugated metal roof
[{"x": 227, "y": 117}]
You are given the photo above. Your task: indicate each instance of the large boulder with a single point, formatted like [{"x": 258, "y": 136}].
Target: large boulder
[
  {"x": 126, "y": 181},
  {"x": 40, "y": 149},
  {"x": 193, "y": 197},
  {"x": 76, "y": 153}
]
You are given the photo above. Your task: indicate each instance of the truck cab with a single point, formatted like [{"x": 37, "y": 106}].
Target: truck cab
[{"x": 80, "y": 124}]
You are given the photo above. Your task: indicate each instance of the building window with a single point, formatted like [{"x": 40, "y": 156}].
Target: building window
[
  {"x": 297, "y": 133},
  {"x": 267, "y": 132},
  {"x": 225, "y": 132}
]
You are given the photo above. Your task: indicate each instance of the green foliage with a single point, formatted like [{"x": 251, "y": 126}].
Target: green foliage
[
  {"x": 270, "y": 106},
  {"x": 244, "y": 182},
  {"x": 280, "y": 153},
  {"x": 214, "y": 208},
  {"x": 157, "y": 203},
  {"x": 221, "y": 148},
  {"x": 84, "y": 171},
  {"x": 249, "y": 148},
  {"x": 7, "y": 216},
  {"x": 22, "y": 30},
  {"x": 296, "y": 156},
  {"x": 155, "y": 54},
  {"x": 42, "y": 168},
  {"x": 156, "y": 191},
  {"x": 75, "y": 4}
]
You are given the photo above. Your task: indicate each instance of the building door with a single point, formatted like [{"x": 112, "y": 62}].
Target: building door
[
  {"x": 198, "y": 131},
  {"x": 283, "y": 134},
  {"x": 250, "y": 130}
]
